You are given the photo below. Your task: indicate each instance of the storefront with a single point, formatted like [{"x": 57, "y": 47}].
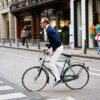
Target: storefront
[
  {"x": 60, "y": 21},
  {"x": 81, "y": 19},
  {"x": 96, "y": 11},
  {"x": 31, "y": 14},
  {"x": 94, "y": 21}
]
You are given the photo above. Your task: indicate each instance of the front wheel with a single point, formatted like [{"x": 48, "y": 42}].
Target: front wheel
[
  {"x": 76, "y": 76},
  {"x": 35, "y": 78}
]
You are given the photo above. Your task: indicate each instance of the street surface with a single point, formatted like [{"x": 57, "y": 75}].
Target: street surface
[
  {"x": 14, "y": 62},
  {"x": 10, "y": 91}
]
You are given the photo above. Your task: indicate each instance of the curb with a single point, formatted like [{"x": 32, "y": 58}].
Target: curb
[
  {"x": 21, "y": 48},
  {"x": 85, "y": 56},
  {"x": 74, "y": 55}
]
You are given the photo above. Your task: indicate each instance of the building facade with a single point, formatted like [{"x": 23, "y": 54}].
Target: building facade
[
  {"x": 71, "y": 18},
  {"x": 29, "y": 12},
  {"x": 84, "y": 13},
  {"x": 7, "y": 21}
]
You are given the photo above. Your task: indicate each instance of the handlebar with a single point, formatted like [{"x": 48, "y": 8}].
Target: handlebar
[{"x": 45, "y": 51}]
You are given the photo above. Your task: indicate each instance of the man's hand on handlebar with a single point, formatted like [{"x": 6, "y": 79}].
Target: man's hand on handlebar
[{"x": 48, "y": 52}]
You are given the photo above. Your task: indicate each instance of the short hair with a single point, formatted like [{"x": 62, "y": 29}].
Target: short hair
[{"x": 45, "y": 19}]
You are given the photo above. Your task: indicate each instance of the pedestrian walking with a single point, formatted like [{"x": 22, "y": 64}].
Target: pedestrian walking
[
  {"x": 55, "y": 44},
  {"x": 93, "y": 31},
  {"x": 24, "y": 33},
  {"x": 97, "y": 38},
  {"x": 97, "y": 28}
]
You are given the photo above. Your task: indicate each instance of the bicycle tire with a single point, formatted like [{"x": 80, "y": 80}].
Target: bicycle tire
[
  {"x": 31, "y": 81},
  {"x": 83, "y": 76}
]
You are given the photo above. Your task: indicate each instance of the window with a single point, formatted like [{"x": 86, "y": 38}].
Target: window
[
  {"x": 98, "y": 10},
  {"x": 98, "y": 6},
  {"x": 5, "y": 3}
]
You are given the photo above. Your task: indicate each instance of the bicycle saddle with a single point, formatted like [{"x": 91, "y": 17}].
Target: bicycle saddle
[{"x": 66, "y": 55}]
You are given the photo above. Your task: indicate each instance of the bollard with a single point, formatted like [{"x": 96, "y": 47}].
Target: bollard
[
  {"x": 17, "y": 42},
  {"x": 38, "y": 42},
  {"x": 27, "y": 43},
  {"x": 10, "y": 43},
  {"x": 3, "y": 42},
  {"x": 32, "y": 42},
  {"x": 85, "y": 47}
]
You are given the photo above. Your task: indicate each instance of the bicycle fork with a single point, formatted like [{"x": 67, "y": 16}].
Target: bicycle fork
[{"x": 39, "y": 73}]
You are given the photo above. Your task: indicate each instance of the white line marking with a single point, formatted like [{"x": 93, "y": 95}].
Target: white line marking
[
  {"x": 17, "y": 55},
  {"x": 1, "y": 82},
  {"x": 63, "y": 98},
  {"x": 97, "y": 70},
  {"x": 5, "y": 88},
  {"x": 12, "y": 96},
  {"x": 70, "y": 98},
  {"x": 94, "y": 74},
  {"x": 51, "y": 99}
]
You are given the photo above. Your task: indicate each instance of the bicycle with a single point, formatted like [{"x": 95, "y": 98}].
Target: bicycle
[{"x": 75, "y": 76}]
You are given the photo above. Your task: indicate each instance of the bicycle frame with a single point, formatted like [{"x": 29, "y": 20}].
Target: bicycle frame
[
  {"x": 67, "y": 60},
  {"x": 40, "y": 74},
  {"x": 44, "y": 66}
]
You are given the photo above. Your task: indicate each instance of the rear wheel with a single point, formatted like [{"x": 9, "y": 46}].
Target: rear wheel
[
  {"x": 76, "y": 77},
  {"x": 35, "y": 78}
]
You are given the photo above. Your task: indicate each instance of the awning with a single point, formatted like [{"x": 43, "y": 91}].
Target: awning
[{"x": 35, "y": 7}]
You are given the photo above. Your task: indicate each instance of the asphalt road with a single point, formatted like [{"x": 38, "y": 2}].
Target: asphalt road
[{"x": 14, "y": 62}]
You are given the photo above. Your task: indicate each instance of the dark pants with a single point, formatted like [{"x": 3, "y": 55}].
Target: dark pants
[{"x": 23, "y": 40}]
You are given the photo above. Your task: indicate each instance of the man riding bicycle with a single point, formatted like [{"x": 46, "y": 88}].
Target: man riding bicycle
[{"x": 55, "y": 44}]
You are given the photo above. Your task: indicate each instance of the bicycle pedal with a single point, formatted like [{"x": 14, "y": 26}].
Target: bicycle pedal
[{"x": 57, "y": 82}]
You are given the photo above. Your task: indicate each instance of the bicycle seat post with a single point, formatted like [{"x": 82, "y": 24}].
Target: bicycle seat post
[{"x": 68, "y": 61}]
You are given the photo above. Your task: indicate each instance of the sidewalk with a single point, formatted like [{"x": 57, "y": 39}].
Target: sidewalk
[{"x": 77, "y": 52}]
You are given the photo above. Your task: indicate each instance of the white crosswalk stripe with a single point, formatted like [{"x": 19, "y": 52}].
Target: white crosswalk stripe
[
  {"x": 5, "y": 88},
  {"x": 7, "y": 94},
  {"x": 12, "y": 96}
]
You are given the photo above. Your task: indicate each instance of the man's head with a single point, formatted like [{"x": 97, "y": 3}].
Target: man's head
[{"x": 44, "y": 22}]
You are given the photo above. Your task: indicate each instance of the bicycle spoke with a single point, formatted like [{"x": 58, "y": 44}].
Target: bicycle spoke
[
  {"x": 79, "y": 76},
  {"x": 34, "y": 79},
  {"x": 80, "y": 71}
]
